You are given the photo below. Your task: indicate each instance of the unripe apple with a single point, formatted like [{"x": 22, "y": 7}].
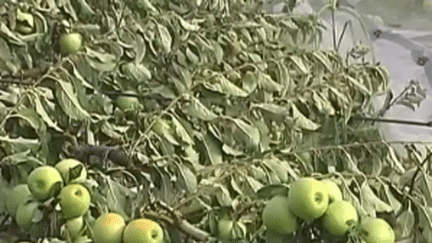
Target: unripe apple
[
  {"x": 74, "y": 227},
  {"x": 277, "y": 217},
  {"x": 74, "y": 200},
  {"x": 228, "y": 230},
  {"x": 70, "y": 43},
  {"x": 65, "y": 167},
  {"x": 127, "y": 102},
  {"x": 308, "y": 198},
  {"x": 19, "y": 194},
  {"x": 339, "y": 217},
  {"x": 333, "y": 189},
  {"x": 143, "y": 231},
  {"x": 376, "y": 230},
  {"x": 44, "y": 182},
  {"x": 24, "y": 214},
  {"x": 108, "y": 228}
]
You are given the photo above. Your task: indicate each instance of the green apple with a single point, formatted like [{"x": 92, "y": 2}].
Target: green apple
[
  {"x": 70, "y": 43},
  {"x": 308, "y": 198},
  {"x": 127, "y": 102},
  {"x": 376, "y": 230},
  {"x": 44, "y": 182},
  {"x": 74, "y": 227},
  {"x": 277, "y": 217},
  {"x": 67, "y": 168},
  {"x": 20, "y": 193},
  {"x": 74, "y": 200},
  {"x": 108, "y": 228},
  {"x": 24, "y": 214},
  {"x": 143, "y": 231},
  {"x": 333, "y": 189},
  {"x": 228, "y": 230},
  {"x": 339, "y": 217}
]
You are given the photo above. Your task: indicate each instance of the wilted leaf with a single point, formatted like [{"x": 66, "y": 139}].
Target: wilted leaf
[
  {"x": 213, "y": 149},
  {"x": 181, "y": 132},
  {"x": 249, "y": 82},
  {"x": 137, "y": 71},
  {"x": 371, "y": 202},
  {"x": 21, "y": 144},
  {"x": 218, "y": 51},
  {"x": 302, "y": 121},
  {"x": 268, "y": 84},
  {"x": 165, "y": 37},
  {"x": 188, "y": 26},
  {"x": 196, "y": 109},
  {"x": 44, "y": 115},
  {"x": 222, "y": 85},
  {"x": 252, "y": 133},
  {"x": 406, "y": 221},
  {"x": 69, "y": 102}
]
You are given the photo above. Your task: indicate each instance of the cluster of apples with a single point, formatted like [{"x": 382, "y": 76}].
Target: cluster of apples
[
  {"x": 46, "y": 182},
  {"x": 310, "y": 199},
  {"x": 112, "y": 228},
  {"x": 63, "y": 182}
]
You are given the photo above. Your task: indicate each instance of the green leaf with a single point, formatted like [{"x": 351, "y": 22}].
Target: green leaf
[
  {"x": 222, "y": 195},
  {"x": 322, "y": 58},
  {"x": 406, "y": 221},
  {"x": 251, "y": 133},
  {"x": 360, "y": 86},
  {"x": 184, "y": 74},
  {"x": 137, "y": 71},
  {"x": 165, "y": 37},
  {"x": 180, "y": 131},
  {"x": 231, "y": 151},
  {"x": 323, "y": 104},
  {"x": 425, "y": 187},
  {"x": 222, "y": 85},
  {"x": 196, "y": 109},
  {"x": 21, "y": 144},
  {"x": 425, "y": 220},
  {"x": 254, "y": 184},
  {"x": 44, "y": 115},
  {"x": 100, "y": 61},
  {"x": 109, "y": 129},
  {"x": 69, "y": 102},
  {"x": 272, "y": 108},
  {"x": 187, "y": 178},
  {"x": 218, "y": 51},
  {"x": 298, "y": 62},
  {"x": 146, "y": 5},
  {"x": 163, "y": 128},
  {"x": 212, "y": 148},
  {"x": 394, "y": 203},
  {"x": 249, "y": 82},
  {"x": 192, "y": 57},
  {"x": 31, "y": 117},
  {"x": 302, "y": 121},
  {"x": 188, "y": 26},
  {"x": 371, "y": 202},
  {"x": 268, "y": 84}
]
